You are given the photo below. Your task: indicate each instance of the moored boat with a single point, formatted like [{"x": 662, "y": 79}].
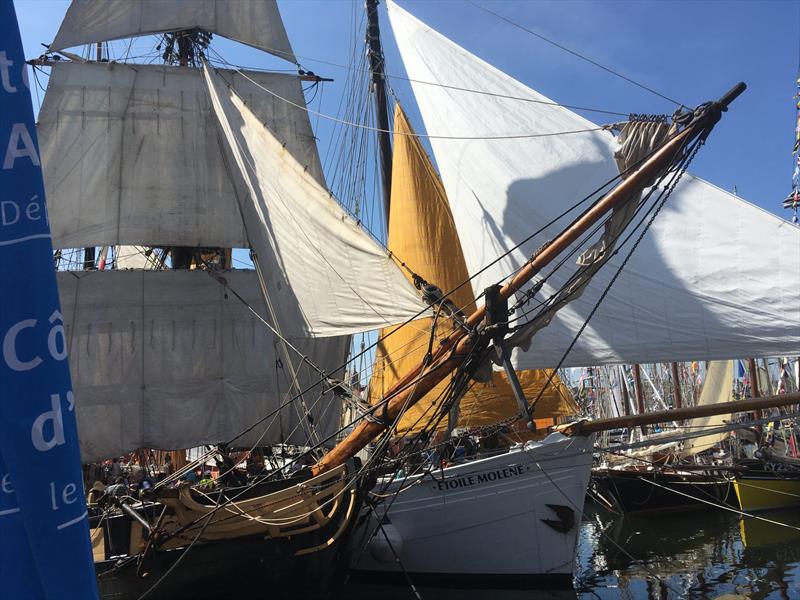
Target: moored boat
[{"x": 506, "y": 520}]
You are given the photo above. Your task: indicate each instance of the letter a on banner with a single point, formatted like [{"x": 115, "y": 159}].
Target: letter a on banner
[{"x": 44, "y": 532}]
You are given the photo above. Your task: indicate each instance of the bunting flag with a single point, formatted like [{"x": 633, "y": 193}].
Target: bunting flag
[
  {"x": 44, "y": 533},
  {"x": 792, "y": 201}
]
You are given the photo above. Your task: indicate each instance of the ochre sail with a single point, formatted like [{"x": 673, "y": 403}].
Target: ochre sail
[{"x": 423, "y": 235}]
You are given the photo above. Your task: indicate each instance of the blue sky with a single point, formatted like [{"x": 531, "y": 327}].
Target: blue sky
[{"x": 691, "y": 51}]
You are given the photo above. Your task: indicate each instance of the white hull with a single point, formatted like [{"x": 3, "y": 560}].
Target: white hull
[{"x": 485, "y": 516}]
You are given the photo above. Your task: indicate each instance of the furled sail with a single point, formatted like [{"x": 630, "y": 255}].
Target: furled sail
[
  {"x": 323, "y": 274},
  {"x": 168, "y": 359},
  {"x": 253, "y": 22},
  {"x": 423, "y": 235},
  {"x": 717, "y": 387},
  {"x": 714, "y": 278},
  {"x": 131, "y": 153}
]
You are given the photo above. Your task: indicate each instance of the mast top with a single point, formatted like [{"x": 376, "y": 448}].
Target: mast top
[{"x": 257, "y": 24}]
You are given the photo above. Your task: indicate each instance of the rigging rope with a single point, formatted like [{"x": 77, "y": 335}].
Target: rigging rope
[
  {"x": 655, "y": 209},
  {"x": 456, "y": 88},
  {"x": 410, "y": 134},
  {"x": 574, "y": 53}
]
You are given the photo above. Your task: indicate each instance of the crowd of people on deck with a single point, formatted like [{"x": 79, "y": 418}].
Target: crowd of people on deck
[{"x": 142, "y": 470}]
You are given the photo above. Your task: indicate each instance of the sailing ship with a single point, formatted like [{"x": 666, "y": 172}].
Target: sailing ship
[
  {"x": 195, "y": 159},
  {"x": 668, "y": 474},
  {"x": 190, "y": 160},
  {"x": 701, "y": 464},
  {"x": 460, "y": 520}
]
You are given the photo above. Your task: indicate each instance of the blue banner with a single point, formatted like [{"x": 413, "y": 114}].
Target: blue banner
[{"x": 44, "y": 533}]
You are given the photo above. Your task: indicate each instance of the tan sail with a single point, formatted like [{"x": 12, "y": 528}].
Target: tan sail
[
  {"x": 422, "y": 234},
  {"x": 717, "y": 388}
]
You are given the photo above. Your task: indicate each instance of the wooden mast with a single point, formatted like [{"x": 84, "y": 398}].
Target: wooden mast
[
  {"x": 755, "y": 392},
  {"x": 453, "y": 350},
  {"x": 377, "y": 66},
  {"x": 676, "y": 385},
  {"x": 626, "y": 399},
  {"x": 89, "y": 253},
  {"x": 637, "y": 389}
]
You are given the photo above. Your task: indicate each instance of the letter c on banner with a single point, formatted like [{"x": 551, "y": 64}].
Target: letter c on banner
[{"x": 10, "y": 348}]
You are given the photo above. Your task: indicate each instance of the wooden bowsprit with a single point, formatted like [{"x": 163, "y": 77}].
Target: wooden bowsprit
[{"x": 453, "y": 350}]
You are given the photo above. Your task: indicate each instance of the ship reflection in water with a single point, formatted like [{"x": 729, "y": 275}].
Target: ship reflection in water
[{"x": 701, "y": 554}]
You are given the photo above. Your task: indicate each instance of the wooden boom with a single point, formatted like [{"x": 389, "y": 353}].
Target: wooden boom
[
  {"x": 452, "y": 351},
  {"x": 678, "y": 414}
]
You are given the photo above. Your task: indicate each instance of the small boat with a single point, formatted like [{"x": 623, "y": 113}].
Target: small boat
[
  {"x": 768, "y": 483},
  {"x": 647, "y": 489}
]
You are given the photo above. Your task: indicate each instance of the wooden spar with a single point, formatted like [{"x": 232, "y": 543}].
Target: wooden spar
[
  {"x": 452, "y": 351},
  {"x": 690, "y": 412},
  {"x": 676, "y": 385}
]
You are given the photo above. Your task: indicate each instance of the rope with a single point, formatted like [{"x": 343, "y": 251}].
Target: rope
[
  {"x": 577, "y": 54},
  {"x": 417, "y": 135},
  {"x": 722, "y": 506},
  {"x": 456, "y": 88},
  {"x": 681, "y": 169}
]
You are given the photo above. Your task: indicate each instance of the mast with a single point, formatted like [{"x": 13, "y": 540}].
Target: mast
[
  {"x": 755, "y": 392},
  {"x": 676, "y": 385},
  {"x": 637, "y": 389},
  {"x": 89, "y": 256},
  {"x": 453, "y": 350},
  {"x": 626, "y": 401},
  {"x": 376, "y": 68}
]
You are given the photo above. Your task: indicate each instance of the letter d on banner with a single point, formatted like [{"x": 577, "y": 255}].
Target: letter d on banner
[{"x": 44, "y": 544}]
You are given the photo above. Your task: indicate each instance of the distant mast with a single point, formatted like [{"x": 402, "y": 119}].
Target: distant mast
[{"x": 377, "y": 66}]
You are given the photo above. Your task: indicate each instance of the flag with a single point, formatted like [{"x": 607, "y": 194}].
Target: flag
[{"x": 44, "y": 533}]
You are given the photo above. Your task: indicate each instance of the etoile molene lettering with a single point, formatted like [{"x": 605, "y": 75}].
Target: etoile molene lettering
[{"x": 464, "y": 481}]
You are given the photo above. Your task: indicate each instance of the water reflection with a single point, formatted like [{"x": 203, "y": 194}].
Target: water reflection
[{"x": 700, "y": 554}]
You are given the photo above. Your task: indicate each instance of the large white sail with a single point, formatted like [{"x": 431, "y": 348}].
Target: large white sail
[
  {"x": 253, "y": 22},
  {"x": 323, "y": 274},
  {"x": 168, "y": 359},
  {"x": 131, "y": 153},
  {"x": 715, "y": 277}
]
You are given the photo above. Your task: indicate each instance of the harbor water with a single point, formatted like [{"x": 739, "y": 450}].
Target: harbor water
[{"x": 696, "y": 554}]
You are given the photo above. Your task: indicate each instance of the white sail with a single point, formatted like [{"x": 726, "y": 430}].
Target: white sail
[
  {"x": 134, "y": 257},
  {"x": 714, "y": 278},
  {"x": 253, "y": 22},
  {"x": 324, "y": 275},
  {"x": 131, "y": 153},
  {"x": 717, "y": 388},
  {"x": 167, "y": 359}
]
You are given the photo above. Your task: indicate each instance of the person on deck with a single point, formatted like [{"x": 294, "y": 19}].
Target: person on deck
[
  {"x": 207, "y": 483},
  {"x": 118, "y": 488},
  {"x": 190, "y": 476},
  {"x": 115, "y": 471},
  {"x": 169, "y": 469},
  {"x": 94, "y": 494}
]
